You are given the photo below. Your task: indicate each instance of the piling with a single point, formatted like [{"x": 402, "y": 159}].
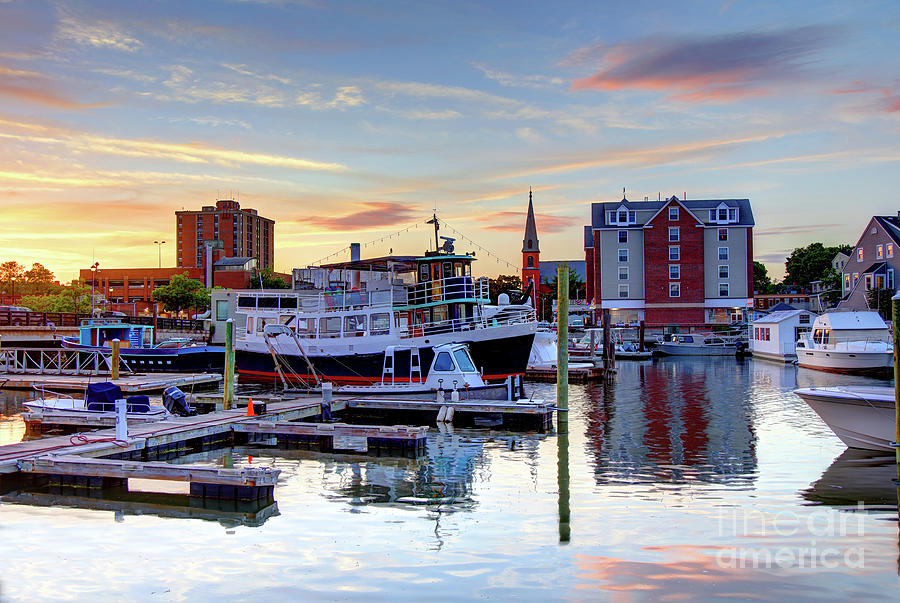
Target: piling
[
  {"x": 115, "y": 359},
  {"x": 562, "y": 341},
  {"x": 641, "y": 327},
  {"x": 895, "y": 317},
  {"x": 228, "y": 398}
]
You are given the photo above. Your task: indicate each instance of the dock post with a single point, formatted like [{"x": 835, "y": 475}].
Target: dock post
[
  {"x": 641, "y": 336},
  {"x": 562, "y": 341},
  {"x": 114, "y": 369},
  {"x": 121, "y": 420},
  {"x": 228, "y": 398}
]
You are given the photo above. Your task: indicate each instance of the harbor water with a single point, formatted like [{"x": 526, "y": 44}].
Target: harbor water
[{"x": 681, "y": 478}]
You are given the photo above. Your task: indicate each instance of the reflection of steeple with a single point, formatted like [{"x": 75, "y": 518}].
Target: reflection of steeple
[{"x": 530, "y": 243}]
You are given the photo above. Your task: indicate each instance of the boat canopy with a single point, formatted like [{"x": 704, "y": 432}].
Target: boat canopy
[{"x": 850, "y": 321}]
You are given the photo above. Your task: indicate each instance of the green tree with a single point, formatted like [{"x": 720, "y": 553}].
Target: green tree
[
  {"x": 39, "y": 281},
  {"x": 11, "y": 276},
  {"x": 577, "y": 287},
  {"x": 504, "y": 283},
  {"x": 880, "y": 301},
  {"x": 71, "y": 298},
  {"x": 268, "y": 278},
  {"x": 761, "y": 281},
  {"x": 810, "y": 263},
  {"x": 182, "y": 293}
]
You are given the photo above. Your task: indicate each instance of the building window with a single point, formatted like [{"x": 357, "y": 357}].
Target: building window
[
  {"x": 674, "y": 234},
  {"x": 723, "y": 289},
  {"x": 622, "y": 217},
  {"x": 867, "y": 280},
  {"x": 756, "y": 333},
  {"x": 674, "y": 272},
  {"x": 859, "y": 254},
  {"x": 623, "y": 273},
  {"x": 879, "y": 252},
  {"x": 673, "y": 213},
  {"x": 803, "y": 319},
  {"x": 846, "y": 281},
  {"x": 623, "y": 236},
  {"x": 723, "y": 271},
  {"x": 531, "y": 261},
  {"x": 855, "y": 278},
  {"x": 890, "y": 250},
  {"x": 674, "y": 289},
  {"x": 723, "y": 253},
  {"x": 723, "y": 234},
  {"x": 623, "y": 290},
  {"x": 674, "y": 253},
  {"x": 723, "y": 215},
  {"x": 623, "y": 255}
]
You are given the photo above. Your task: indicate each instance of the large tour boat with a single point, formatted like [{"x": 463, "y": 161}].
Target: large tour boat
[{"x": 367, "y": 321}]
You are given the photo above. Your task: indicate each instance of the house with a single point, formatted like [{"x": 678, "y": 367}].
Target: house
[
  {"x": 839, "y": 260},
  {"x": 671, "y": 262},
  {"x": 768, "y": 301},
  {"x": 873, "y": 262},
  {"x": 774, "y": 336}
]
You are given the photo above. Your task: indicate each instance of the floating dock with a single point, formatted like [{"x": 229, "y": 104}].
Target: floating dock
[
  {"x": 130, "y": 384},
  {"x": 524, "y": 413},
  {"x": 577, "y": 374}
]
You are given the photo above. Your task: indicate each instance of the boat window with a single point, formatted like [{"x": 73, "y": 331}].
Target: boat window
[
  {"x": 288, "y": 302},
  {"x": 247, "y": 302},
  {"x": 436, "y": 271},
  {"x": 355, "y": 325},
  {"x": 457, "y": 269},
  {"x": 249, "y": 324},
  {"x": 443, "y": 362},
  {"x": 267, "y": 302},
  {"x": 286, "y": 319},
  {"x": 221, "y": 309},
  {"x": 448, "y": 269},
  {"x": 464, "y": 361},
  {"x": 687, "y": 339},
  {"x": 423, "y": 272},
  {"x": 826, "y": 336},
  {"x": 381, "y": 324},
  {"x": 468, "y": 269},
  {"x": 261, "y": 325},
  {"x": 306, "y": 327},
  {"x": 330, "y": 326}
]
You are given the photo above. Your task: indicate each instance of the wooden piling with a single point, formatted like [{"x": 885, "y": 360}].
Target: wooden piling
[
  {"x": 562, "y": 341},
  {"x": 228, "y": 398},
  {"x": 641, "y": 328},
  {"x": 114, "y": 369}
]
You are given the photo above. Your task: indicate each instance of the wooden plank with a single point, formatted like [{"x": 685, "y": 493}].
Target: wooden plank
[
  {"x": 78, "y": 419},
  {"x": 332, "y": 429},
  {"x": 72, "y": 465},
  {"x": 526, "y": 408}
]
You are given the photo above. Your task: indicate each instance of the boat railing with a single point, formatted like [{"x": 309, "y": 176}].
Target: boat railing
[
  {"x": 857, "y": 343},
  {"x": 450, "y": 289},
  {"x": 456, "y": 325}
]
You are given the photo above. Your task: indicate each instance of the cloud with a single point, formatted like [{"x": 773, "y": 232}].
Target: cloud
[
  {"x": 810, "y": 229},
  {"x": 244, "y": 70},
  {"x": 373, "y": 214},
  {"x": 215, "y": 122},
  {"x": 702, "y": 69},
  {"x": 514, "y": 221},
  {"x": 423, "y": 90},
  {"x": 538, "y": 82},
  {"x": 33, "y": 87},
  {"x": 529, "y": 135},
  {"x": 99, "y": 34},
  {"x": 124, "y": 73}
]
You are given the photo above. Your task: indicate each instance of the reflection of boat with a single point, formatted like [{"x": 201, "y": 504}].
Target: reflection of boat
[
  {"x": 857, "y": 476},
  {"x": 138, "y": 352},
  {"x": 861, "y": 416},
  {"x": 342, "y": 328},
  {"x": 847, "y": 342},
  {"x": 701, "y": 344}
]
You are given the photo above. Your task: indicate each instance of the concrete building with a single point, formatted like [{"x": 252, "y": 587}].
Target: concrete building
[
  {"x": 230, "y": 232},
  {"x": 671, "y": 263},
  {"x": 873, "y": 263}
]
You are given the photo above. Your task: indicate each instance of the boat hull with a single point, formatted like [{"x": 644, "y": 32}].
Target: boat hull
[
  {"x": 195, "y": 359},
  {"x": 682, "y": 349},
  {"x": 862, "y": 417},
  {"x": 497, "y": 358},
  {"x": 836, "y": 361}
]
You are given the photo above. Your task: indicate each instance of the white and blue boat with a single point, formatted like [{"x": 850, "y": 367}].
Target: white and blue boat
[{"x": 139, "y": 353}]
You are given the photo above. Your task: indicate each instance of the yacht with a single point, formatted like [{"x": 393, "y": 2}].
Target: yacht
[
  {"x": 701, "y": 344},
  {"x": 861, "y": 416},
  {"x": 847, "y": 342}
]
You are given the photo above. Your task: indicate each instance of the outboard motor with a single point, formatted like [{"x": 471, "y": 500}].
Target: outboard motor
[{"x": 174, "y": 401}]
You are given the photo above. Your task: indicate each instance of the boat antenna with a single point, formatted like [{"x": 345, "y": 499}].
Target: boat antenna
[{"x": 434, "y": 220}]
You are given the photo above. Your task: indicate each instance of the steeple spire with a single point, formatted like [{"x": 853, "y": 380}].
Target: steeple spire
[{"x": 530, "y": 243}]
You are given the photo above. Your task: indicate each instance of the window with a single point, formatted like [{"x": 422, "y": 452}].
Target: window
[
  {"x": 723, "y": 271},
  {"x": 623, "y": 291},
  {"x": 756, "y": 333},
  {"x": 859, "y": 254},
  {"x": 674, "y": 253},
  {"x": 632, "y": 217},
  {"x": 381, "y": 323},
  {"x": 443, "y": 362},
  {"x": 890, "y": 250},
  {"x": 879, "y": 252},
  {"x": 674, "y": 234},
  {"x": 623, "y": 273},
  {"x": 803, "y": 319},
  {"x": 530, "y": 262},
  {"x": 723, "y": 289},
  {"x": 221, "y": 309},
  {"x": 673, "y": 213},
  {"x": 846, "y": 281},
  {"x": 723, "y": 215},
  {"x": 623, "y": 255},
  {"x": 723, "y": 234},
  {"x": 674, "y": 289},
  {"x": 623, "y": 236},
  {"x": 732, "y": 214},
  {"x": 855, "y": 278},
  {"x": 674, "y": 272},
  {"x": 355, "y": 325},
  {"x": 464, "y": 361},
  {"x": 868, "y": 281},
  {"x": 622, "y": 216},
  {"x": 890, "y": 279},
  {"x": 766, "y": 333},
  {"x": 723, "y": 253}
]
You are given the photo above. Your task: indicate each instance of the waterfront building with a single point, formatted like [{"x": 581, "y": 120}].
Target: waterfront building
[
  {"x": 228, "y": 231},
  {"x": 531, "y": 256},
  {"x": 767, "y": 301},
  {"x": 775, "y": 335},
  {"x": 671, "y": 263},
  {"x": 873, "y": 263}
]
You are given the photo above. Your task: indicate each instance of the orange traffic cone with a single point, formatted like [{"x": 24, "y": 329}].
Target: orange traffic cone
[{"x": 251, "y": 412}]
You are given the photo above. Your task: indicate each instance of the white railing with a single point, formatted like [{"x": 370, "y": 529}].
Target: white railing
[{"x": 853, "y": 343}]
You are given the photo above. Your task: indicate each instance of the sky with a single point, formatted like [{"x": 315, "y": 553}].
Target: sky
[{"x": 351, "y": 121}]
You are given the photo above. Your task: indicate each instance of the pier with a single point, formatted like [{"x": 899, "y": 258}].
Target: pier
[{"x": 130, "y": 384}]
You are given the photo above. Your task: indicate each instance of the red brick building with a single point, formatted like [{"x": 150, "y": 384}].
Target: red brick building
[
  {"x": 531, "y": 256},
  {"x": 234, "y": 232}
]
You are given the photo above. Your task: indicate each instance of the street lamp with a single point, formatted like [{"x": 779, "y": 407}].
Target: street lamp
[
  {"x": 94, "y": 270},
  {"x": 159, "y": 245}
]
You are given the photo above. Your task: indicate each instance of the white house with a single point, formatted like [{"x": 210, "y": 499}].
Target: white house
[{"x": 774, "y": 336}]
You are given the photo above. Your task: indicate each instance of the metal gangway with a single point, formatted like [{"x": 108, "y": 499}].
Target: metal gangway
[{"x": 57, "y": 361}]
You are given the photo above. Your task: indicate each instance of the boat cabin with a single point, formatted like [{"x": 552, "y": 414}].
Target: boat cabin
[
  {"x": 845, "y": 327},
  {"x": 100, "y": 332},
  {"x": 452, "y": 368}
]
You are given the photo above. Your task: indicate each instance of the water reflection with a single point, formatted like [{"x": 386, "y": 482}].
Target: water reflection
[
  {"x": 857, "y": 480},
  {"x": 673, "y": 420}
]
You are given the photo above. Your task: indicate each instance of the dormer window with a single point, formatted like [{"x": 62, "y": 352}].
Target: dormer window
[
  {"x": 621, "y": 216},
  {"x": 723, "y": 214}
]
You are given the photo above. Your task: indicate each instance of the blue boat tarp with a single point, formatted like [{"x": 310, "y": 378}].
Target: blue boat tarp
[{"x": 103, "y": 392}]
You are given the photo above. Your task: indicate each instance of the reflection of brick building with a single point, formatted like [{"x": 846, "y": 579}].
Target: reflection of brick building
[{"x": 242, "y": 232}]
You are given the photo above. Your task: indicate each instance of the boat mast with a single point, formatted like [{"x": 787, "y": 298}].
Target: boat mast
[{"x": 434, "y": 221}]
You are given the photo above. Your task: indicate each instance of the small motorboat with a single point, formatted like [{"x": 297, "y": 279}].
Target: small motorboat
[
  {"x": 100, "y": 399},
  {"x": 861, "y": 416},
  {"x": 629, "y": 350},
  {"x": 702, "y": 344}
]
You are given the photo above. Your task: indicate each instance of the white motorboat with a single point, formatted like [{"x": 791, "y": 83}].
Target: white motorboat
[
  {"x": 100, "y": 400},
  {"x": 861, "y": 416},
  {"x": 701, "y": 344},
  {"x": 847, "y": 342}
]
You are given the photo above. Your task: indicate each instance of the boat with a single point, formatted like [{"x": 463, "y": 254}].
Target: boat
[
  {"x": 847, "y": 342},
  {"x": 629, "y": 350},
  {"x": 452, "y": 372},
  {"x": 702, "y": 344},
  {"x": 861, "y": 416},
  {"x": 138, "y": 352},
  {"x": 356, "y": 320},
  {"x": 100, "y": 400}
]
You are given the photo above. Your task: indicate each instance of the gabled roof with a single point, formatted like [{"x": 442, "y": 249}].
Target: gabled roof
[
  {"x": 678, "y": 202},
  {"x": 232, "y": 261},
  {"x": 891, "y": 225},
  {"x": 697, "y": 207},
  {"x": 781, "y": 307},
  {"x": 876, "y": 267},
  {"x": 776, "y": 317}
]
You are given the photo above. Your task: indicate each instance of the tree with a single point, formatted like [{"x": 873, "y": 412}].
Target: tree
[
  {"x": 880, "y": 301},
  {"x": 810, "y": 263},
  {"x": 577, "y": 287},
  {"x": 71, "y": 298},
  {"x": 761, "y": 281},
  {"x": 39, "y": 281},
  {"x": 11, "y": 273},
  {"x": 182, "y": 293},
  {"x": 505, "y": 283},
  {"x": 268, "y": 278}
]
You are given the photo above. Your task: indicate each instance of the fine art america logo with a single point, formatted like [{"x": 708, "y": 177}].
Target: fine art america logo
[{"x": 818, "y": 535}]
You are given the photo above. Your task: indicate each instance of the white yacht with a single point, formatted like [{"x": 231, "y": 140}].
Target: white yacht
[
  {"x": 861, "y": 416},
  {"x": 847, "y": 342}
]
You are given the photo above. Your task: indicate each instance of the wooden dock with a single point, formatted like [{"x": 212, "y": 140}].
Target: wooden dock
[
  {"x": 130, "y": 384},
  {"x": 536, "y": 415},
  {"x": 580, "y": 374},
  {"x": 335, "y": 437}
]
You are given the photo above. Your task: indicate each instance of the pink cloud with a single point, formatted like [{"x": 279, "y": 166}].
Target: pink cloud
[
  {"x": 514, "y": 221},
  {"x": 371, "y": 214}
]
